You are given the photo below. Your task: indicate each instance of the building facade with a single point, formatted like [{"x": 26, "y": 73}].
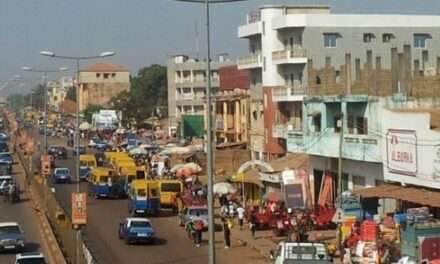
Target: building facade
[
  {"x": 187, "y": 84},
  {"x": 288, "y": 44},
  {"x": 231, "y": 104},
  {"x": 100, "y": 82},
  {"x": 57, "y": 91}
]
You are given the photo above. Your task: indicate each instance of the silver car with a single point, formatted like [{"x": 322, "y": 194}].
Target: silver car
[{"x": 194, "y": 213}]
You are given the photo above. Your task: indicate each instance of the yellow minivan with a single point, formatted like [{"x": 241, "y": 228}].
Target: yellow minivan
[{"x": 169, "y": 190}]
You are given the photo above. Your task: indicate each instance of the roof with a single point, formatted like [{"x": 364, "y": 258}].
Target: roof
[
  {"x": 410, "y": 194},
  {"x": 105, "y": 67},
  {"x": 434, "y": 114},
  {"x": 2, "y": 224}
]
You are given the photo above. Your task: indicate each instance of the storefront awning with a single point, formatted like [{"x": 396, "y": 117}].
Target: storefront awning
[{"x": 410, "y": 194}]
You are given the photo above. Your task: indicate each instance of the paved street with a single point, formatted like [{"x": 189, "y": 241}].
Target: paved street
[
  {"x": 24, "y": 215},
  {"x": 174, "y": 245}
]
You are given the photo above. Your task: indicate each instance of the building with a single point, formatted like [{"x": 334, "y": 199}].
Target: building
[
  {"x": 57, "y": 91},
  {"x": 231, "y": 104},
  {"x": 287, "y": 44},
  {"x": 100, "y": 82},
  {"x": 186, "y": 87}
]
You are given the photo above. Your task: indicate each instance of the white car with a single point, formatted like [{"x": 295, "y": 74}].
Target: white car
[{"x": 30, "y": 258}]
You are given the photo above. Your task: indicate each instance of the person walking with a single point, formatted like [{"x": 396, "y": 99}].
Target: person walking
[
  {"x": 253, "y": 224},
  {"x": 198, "y": 231},
  {"x": 240, "y": 215},
  {"x": 227, "y": 232},
  {"x": 191, "y": 231}
]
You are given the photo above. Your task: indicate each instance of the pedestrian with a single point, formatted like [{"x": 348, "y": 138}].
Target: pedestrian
[
  {"x": 227, "y": 232},
  {"x": 191, "y": 230},
  {"x": 240, "y": 214},
  {"x": 198, "y": 230},
  {"x": 253, "y": 224},
  {"x": 231, "y": 209}
]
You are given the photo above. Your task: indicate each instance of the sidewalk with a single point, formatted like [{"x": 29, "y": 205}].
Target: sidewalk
[{"x": 263, "y": 242}]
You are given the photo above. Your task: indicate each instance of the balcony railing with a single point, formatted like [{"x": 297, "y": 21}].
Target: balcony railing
[
  {"x": 288, "y": 93},
  {"x": 250, "y": 61},
  {"x": 288, "y": 54}
]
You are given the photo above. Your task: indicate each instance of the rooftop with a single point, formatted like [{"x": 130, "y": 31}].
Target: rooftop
[{"x": 105, "y": 67}]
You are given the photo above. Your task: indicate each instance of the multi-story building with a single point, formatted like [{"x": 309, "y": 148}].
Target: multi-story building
[
  {"x": 231, "y": 104},
  {"x": 186, "y": 86},
  {"x": 100, "y": 82},
  {"x": 289, "y": 43},
  {"x": 57, "y": 91}
]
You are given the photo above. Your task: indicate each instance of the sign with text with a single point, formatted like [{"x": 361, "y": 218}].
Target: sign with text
[
  {"x": 79, "y": 208},
  {"x": 402, "y": 151},
  {"x": 294, "y": 195}
]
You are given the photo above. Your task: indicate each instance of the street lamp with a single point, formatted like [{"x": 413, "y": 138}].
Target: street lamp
[
  {"x": 77, "y": 59},
  {"x": 209, "y": 136},
  {"x": 44, "y": 72}
]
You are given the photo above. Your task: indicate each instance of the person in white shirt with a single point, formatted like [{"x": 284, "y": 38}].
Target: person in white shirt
[{"x": 240, "y": 215}]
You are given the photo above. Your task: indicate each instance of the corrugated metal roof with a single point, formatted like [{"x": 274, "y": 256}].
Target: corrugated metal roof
[{"x": 410, "y": 194}]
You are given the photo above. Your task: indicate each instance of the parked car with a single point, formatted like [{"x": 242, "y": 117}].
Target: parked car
[
  {"x": 6, "y": 157},
  {"x": 30, "y": 258},
  {"x": 11, "y": 237},
  {"x": 61, "y": 175},
  {"x": 300, "y": 253},
  {"x": 4, "y": 183},
  {"x": 194, "y": 213},
  {"x": 4, "y": 136},
  {"x": 136, "y": 230}
]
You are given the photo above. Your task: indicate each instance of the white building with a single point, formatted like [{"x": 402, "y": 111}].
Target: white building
[{"x": 57, "y": 91}]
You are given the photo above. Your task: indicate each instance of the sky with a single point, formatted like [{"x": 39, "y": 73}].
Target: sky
[{"x": 141, "y": 32}]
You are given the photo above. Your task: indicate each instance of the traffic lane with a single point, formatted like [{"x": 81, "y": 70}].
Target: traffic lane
[{"x": 22, "y": 213}]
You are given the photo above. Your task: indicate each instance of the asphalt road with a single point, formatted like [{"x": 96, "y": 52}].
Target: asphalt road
[
  {"x": 174, "y": 246},
  {"x": 23, "y": 214}
]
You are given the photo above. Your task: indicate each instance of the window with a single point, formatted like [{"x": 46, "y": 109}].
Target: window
[
  {"x": 106, "y": 75},
  {"x": 420, "y": 40},
  {"x": 368, "y": 37},
  {"x": 386, "y": 38},
  {"x": 318, "y": 80},
  {"x": 350, "y": 124},
  {"x": 358, "y": 182},
  {"x": 98, "y": 75},
  {"x": 317, "y": 122},
  {"x": 113, "y": 75},
  {"x": 337, "y": 124},
  {"x": 362, "y": 125},
  {"x": 330, "y": 40}
]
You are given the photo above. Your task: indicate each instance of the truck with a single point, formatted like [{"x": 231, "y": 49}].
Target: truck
[{"x": 300, "y": 253}]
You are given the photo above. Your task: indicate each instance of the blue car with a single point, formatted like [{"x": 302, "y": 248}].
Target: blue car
[
  {"x": 137, "y": 230},
  {"x": 84, "y": 173},
  {"x": 62, "y": 175},
  {"x": 11, "y": 237}
]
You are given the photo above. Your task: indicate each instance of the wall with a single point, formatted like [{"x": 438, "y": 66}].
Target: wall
[
  {"x": 231, "y": 78},
  {"x": 274, "y": 147}
]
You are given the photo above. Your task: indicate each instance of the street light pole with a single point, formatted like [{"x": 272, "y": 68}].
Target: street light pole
[
  {"x": 209, "y": 129},
  {"x": 77, "y": 59}
]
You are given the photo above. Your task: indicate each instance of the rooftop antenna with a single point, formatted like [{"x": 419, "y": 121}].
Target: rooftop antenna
[{"x": 196, "y": 29}]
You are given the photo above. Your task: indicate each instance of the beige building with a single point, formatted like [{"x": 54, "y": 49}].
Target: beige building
[
  {"x": 57, "y": 91},
  {"x": 101, "y": 82}
]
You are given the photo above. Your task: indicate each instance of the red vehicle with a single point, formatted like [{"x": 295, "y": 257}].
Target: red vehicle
[
  {"x": 280, "y": 223},
  {"x": 263, "y": 217}
]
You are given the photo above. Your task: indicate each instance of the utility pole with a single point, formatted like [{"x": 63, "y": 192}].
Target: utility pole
[{"x": 339, "y": 191}]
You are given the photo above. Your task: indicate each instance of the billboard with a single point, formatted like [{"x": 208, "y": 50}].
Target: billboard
[
  {"x": 402, "y": 151},
  {"x": 79, "y": 208}
]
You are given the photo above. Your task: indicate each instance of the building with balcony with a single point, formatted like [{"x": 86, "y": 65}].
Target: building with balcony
[
  {"x": 100, "y": 82},
  {"x": 57, "y": 91},
  {"x": 231, "y": 104},
  {"x": 288, "y": 44},
  {"x": 187, "y": 86}
]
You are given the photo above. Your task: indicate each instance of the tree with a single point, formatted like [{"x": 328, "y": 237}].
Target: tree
[
  {"x": 16, "y": 101},
  {"x": 90, "y": 110},
  {"x": 148, "y": 91}
]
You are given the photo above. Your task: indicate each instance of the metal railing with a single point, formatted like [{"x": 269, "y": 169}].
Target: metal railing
[
  {"x": 253, "y": 58},
  {"x": 289, "y": 53}
]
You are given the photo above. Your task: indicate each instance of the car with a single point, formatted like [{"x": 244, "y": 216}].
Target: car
[
  {"x": 61, "y": 175},
  {"x": 4, "y": 146},
  {"x": 80, "y": 149},
  {"x": 4, "y": 137},
  {"x": 84, "y": 173},
  {"x": 193, "y": 213},
  {"x": 30, "y": 258},
  {"x": 136, "y": 230},
  {"x": 6, "y": 157},
  {"x": 58, "y": 152},
  {"x": 300, "y": 253},
  {"x": 11, "y": 237},
  {"x": 5, "y": 180}
]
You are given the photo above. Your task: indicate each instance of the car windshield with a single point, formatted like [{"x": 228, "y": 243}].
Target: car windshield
[
  {"x": 5, "y": 230},
  {"x": 103, "y": 179},
  {"x": 199, "y": 211},
  {"x": 140, "y": 224},
  {"x": 62, "y": 171},
  {"x": 141, "y": 192},
  {"x": 31, "y": 261}
]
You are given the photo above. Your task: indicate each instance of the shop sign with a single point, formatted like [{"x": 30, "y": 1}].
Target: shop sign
[
  {"x": 294, "y": 195},
  {"x": 267, "y": 177},
  {"x": 79, "y": 208},
  {"x": 402, "y": 151}
]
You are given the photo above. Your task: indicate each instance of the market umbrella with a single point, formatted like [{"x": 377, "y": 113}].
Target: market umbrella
[
  {"x": 138, "y": 151},
  {"x": 272, "y": 196},
  {"x": 85, "y": 126},
  {"x": 176, "y": 167},
  {"x": 224, "y": 188}
]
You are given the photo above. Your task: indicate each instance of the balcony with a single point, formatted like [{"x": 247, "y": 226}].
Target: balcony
[
  {"x": 251, "y": 61},
  {"x": 294, "y": 55},
  {"x": 288, "y": 93},
  {"x": 253, "y": 27}
]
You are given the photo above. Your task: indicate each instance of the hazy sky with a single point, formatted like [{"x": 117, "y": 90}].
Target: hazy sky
[{"x": 141, "y": 32}]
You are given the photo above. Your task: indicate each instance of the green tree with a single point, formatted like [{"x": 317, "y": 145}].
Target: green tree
[
  {"x": 90, "y": 110},
  {"x": 148, "y": 91}
]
